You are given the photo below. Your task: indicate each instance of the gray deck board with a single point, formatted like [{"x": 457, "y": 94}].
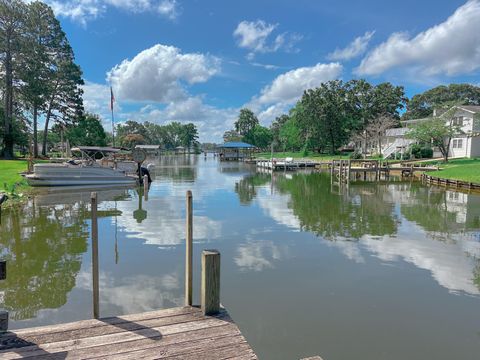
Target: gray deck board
[{"x": 179, "y": 333}]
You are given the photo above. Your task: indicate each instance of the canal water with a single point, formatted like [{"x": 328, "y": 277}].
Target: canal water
[{"x": 375, "y": 271}]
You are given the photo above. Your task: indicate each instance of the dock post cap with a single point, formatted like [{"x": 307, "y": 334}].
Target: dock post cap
[{"x": 211, "y": 252}]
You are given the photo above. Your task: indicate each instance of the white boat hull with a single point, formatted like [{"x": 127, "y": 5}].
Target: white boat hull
[{"x": 77, "y": 175}]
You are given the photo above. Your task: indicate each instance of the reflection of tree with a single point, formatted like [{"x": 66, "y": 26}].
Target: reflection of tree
[
  {"x": 362, "y": 212},
  {"x": 43, "y": 249},
  {"x": 476, "y": 275},
  {"x": 429, "y": 208},
  {"x": 245, "y": 188},
  {"x": 178, "y": 167}
]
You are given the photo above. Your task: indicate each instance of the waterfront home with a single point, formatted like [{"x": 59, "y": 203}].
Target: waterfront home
[
  {"x": 465, "y": 144},
  {"x": 149, "y": 149}
]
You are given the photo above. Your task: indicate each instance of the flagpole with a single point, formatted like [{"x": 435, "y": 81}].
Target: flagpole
[
  {"x": 112, "y": 100},
  {"x": 113, "y": 130}
]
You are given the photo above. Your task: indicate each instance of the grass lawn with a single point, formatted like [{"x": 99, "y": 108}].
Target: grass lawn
[
  {"x": 9, "y": 174},
  {"x": 299, "y": 154},
  {"x": 459, "y": 169}
]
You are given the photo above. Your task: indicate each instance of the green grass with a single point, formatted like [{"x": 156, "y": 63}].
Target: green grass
[
  {"x": 10, "y": 179},
  {"x": 460, "y": 169},
  {"x": 299, "y": 154}
]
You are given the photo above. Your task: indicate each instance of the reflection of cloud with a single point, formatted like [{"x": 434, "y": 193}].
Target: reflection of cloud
[
  {"x": 258, "y": 255},
  {"x": 448, "y": 263},
  {"x": 350, "y": 249},
  {"x": 137, "y": 293},
  {"x": 165, "y": 223},
  {"x": 277, "y": 208}
]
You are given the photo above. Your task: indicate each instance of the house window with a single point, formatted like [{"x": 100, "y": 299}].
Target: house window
[
  {"x": 458, "y": 121},
  {"x": 457, "y": 143}
]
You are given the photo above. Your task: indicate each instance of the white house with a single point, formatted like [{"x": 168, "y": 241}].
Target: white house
[{"x": 465, "y": 144}]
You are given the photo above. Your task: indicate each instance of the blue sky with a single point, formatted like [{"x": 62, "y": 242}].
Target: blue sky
[{"x": 201, "y": 61}]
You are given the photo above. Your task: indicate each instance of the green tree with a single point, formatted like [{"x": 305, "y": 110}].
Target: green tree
[
  {"x": 422, "y": 105},
  {"x": 367, "y": 103},
  {"x": 231, "y": 135},
  {"x": 245, "y": 123},
  {"x": 88, "y": 131},
  {"x": 437, "y": 131},
  {"x": 276, "y": 129},
  {"x": 290, "y": 136},
  {"x": 323, "y": 117},
  {"x": 128, "y": 128},
  {"x": 189, "y": 135},
  {"x": 261, "y": 137},
  {"x": 12, "y": 27},
  {"x": 43, "y": 34},
  {"x": 65, "y": 103}
]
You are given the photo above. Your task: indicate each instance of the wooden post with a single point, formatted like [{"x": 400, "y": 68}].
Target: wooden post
[
  {"x": 94, "y": 225},
  {"x": 145, "y": 187},
  {"x": 349, "y": 169},
  {"x": 210, "y": 291},
  {"x": 188, "y": 250},
  {"x": 340, "y": 174},
  {"x": 3, "y": 313}
]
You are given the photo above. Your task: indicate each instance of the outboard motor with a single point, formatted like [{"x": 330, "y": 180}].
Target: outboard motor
[{"x": 144, "y": 171}]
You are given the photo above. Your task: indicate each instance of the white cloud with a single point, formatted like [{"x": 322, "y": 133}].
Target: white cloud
[
  {"x": 451, "y": 48},
  {"x": 157, "y": 74},
  {"x": 356, "y": 48},
  {"x": 83, "y": 11},
  {"x": 288, "y": 87},
  {"x": 255, "y": 36},
  {"x": 277, "y": 97}
]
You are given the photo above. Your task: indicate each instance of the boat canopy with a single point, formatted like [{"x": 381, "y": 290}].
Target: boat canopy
[
  {"x": 96, "y": 149},
  {"x": 236, "y": 145}
]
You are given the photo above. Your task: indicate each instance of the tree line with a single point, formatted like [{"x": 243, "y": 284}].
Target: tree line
[
  {"x": 337, "y": 113},
  {"x": 169, "y": 136},
  {"x": 39, "y": 76}
]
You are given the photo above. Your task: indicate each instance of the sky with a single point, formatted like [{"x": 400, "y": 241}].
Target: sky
[{"x": 202, "y": 61}]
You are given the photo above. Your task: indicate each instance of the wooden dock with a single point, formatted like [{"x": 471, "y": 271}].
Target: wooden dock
[
  {"x": 344, "y": 171},
  {"x": 285, "y": 164},
  {"x": 177, "y": 333}
]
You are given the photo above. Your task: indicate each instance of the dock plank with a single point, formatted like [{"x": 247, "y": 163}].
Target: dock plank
[{"x": 173, "y": 333}]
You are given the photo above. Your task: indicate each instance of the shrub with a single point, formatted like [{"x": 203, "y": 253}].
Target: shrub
[
  {"x": 416, "y": 150},
  {"x": 355, "y": 155},
  {"x": 426, "y": 153}
]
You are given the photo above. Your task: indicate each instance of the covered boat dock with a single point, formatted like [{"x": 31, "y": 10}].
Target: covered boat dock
[{"x": 235, "y": 151}]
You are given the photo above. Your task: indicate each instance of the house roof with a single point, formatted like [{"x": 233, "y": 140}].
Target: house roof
[
  {"x": 470, "y": 108},
  {"x": 236, "y": 145},
  {"x": 397, "y": 131},
  {"x": 148, "y": 147}
]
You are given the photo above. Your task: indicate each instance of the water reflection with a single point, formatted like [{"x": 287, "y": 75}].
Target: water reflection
[
  {"x": 433, "y": 229},
  {"x": 43, "y": 247},
  {"x": 285, "y": 238}
]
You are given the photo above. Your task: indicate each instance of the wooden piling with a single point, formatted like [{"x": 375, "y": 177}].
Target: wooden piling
[
  {"x": 188, "y": 250},
  {"x": 94, "y": 229},
  {"x": 349, "y": 169},
  {"x": 145, "y": 187},
  {"x": 3, "y": 313},
  {"x": 210, "y": 289}
]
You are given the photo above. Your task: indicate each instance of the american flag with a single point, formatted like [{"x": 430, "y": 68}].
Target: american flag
[{"x": 112, "y": 98}]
